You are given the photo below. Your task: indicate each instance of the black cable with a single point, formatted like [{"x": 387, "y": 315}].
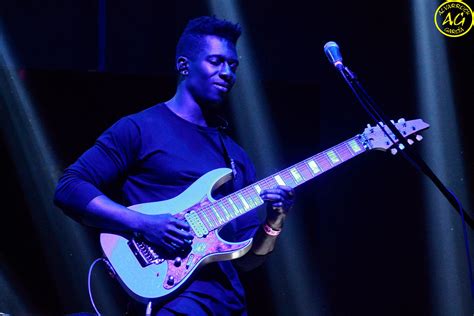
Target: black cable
[
  {"x": 377, "y": 115},
  {"x": 466, "y": 245}
]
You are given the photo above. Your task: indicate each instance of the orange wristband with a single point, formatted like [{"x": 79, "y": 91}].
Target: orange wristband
[{"x": 270, "y": 231}]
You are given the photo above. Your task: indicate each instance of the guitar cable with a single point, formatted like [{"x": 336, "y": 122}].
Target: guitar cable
[
  {"x": 89, "y": 281},
  {"x": 111, "y": 269}
]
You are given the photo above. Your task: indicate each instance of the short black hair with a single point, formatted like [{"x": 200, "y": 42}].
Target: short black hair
[{"x": 197, "y": 28}]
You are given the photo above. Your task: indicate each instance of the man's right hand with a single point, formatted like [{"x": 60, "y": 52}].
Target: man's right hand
[{"x": 167, "y": 232}]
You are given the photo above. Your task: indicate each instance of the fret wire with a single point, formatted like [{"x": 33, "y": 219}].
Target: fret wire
[
  {"x": 206, "y": 217},
  {"x": 248, "y": 191},
  {"x": 228, "y": 216},
  {"x": 344, "y": 151},
  {"x": 228, "y": 207},
  {"x": 287, "y": 178},
  {"x": 269, "y": 182},
  {"x": 324, "y": 163},
  {"x": 234, "y": 210},
  {"x": 337, "y": 150},
  {"x": 291, "y": 178},
  {"x": 296, "y": 175},
  {"x": 218, "y": 216},
  {"x": 211, "y": 217},
  {"x": 332, "y": 156},
  {"x": 350, "y": 153},
  {"x": 233, "y": 205},
  {"x": 223, "y": 206},
  {"x": 252, "y": 195},
  {"x": 237, "y": 203},
  {"x": 243, "y": 201},
  {"x": 215, "y": 215},
  {"x": 255, "y": 197},
  {"x": 347, "y": 148},
  {"x": 316, "y": 160},
  {"x": 205, "y": 211},
  {"x": 305, "y": 171},
  {"x": 358, "y": 143},
  {"x": 250, "y": 200}
]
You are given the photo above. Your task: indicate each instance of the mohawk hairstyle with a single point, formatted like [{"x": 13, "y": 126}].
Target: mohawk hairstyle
[{"x": 189, "y": 42}]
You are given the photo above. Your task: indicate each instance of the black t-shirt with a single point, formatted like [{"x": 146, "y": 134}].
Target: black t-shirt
[{"x": 155, "y": 155}]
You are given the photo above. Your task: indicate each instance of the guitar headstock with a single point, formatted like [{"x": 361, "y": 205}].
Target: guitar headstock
[{"x": 376, "y": 138}]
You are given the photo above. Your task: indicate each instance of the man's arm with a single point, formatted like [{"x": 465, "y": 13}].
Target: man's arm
[
  {"x": 279, "y": 202},
  {"x": 79, "y": 191},
  {"x": 163, "y": 230},
  {"x": 101, "y": 212}
]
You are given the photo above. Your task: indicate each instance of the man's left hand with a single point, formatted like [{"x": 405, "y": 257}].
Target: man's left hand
[{"x": 280, "y": 200}]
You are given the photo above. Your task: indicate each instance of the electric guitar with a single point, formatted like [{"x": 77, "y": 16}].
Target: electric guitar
[{"x": 148, "y": 275}]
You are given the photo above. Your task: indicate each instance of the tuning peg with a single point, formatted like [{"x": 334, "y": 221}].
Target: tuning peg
[
  {"x": 368, "y": 126},
  {"x": 401, "y": 120},
  {"x": 393, "y": 122},
  {"x": 409, "y": 141},
  {"x": 419, "y": 137},
  {"x": 381, "y": 123},
  {"x": 401, "y": 146},
  {"x": 393, "y": 151}
]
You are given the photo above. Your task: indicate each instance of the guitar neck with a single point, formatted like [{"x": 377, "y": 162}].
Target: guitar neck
[{"x": 246, "y": 199}]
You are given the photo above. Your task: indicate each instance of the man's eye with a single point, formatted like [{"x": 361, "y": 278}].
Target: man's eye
[{"x": 215, "y": 61}]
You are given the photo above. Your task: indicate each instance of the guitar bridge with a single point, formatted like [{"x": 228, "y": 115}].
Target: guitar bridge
[{"x": 144, "y": 253}]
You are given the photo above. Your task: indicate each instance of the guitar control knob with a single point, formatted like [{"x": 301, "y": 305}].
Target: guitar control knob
[
  {"x": 177, "y": 262},
  {"x": 170, "y": 280}
]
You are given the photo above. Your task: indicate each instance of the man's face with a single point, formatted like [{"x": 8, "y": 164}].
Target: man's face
[{"x": 212, "y": 70}]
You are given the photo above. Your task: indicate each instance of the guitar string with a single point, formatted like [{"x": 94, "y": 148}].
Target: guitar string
[{"x": 342, "y": 150}]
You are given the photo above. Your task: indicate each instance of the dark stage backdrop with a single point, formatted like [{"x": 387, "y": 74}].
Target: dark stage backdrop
[{"x": 363, "y": 224}]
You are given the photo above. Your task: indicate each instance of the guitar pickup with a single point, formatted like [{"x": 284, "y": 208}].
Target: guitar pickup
[{"x": 144, "y": 253}]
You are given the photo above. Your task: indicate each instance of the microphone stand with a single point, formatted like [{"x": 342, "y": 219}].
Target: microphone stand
[{"x": 382, "y": 121}]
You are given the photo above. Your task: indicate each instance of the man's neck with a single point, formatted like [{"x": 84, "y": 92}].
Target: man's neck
[{"x": 187, "y": 108}]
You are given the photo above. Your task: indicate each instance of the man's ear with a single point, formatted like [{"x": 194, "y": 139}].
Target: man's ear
[{"x": 182, "y": 65}]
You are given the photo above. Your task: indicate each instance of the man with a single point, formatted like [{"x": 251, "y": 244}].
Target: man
[{"x": 156, "y": 154}]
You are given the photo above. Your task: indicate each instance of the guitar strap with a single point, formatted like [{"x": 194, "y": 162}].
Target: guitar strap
[{"x": 227, "y": 157}]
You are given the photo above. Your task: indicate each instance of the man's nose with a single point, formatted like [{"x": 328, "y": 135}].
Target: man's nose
[{"x": 226, "y": 71}]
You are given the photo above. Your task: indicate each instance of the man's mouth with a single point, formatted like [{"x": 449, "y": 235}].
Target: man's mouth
[{"x": 222, "y": 87}]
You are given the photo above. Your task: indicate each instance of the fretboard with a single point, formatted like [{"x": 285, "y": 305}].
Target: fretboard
[{"x": 248, "y": 198}]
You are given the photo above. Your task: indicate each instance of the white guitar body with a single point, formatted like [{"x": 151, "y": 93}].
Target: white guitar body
[{"x": 159, "y": 279}]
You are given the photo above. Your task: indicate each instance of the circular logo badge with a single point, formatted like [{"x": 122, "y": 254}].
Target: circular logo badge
[{"x": 453, "y": 18}]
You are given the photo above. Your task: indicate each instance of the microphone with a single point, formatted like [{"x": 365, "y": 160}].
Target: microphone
[{"x": 334, "y": 55}]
